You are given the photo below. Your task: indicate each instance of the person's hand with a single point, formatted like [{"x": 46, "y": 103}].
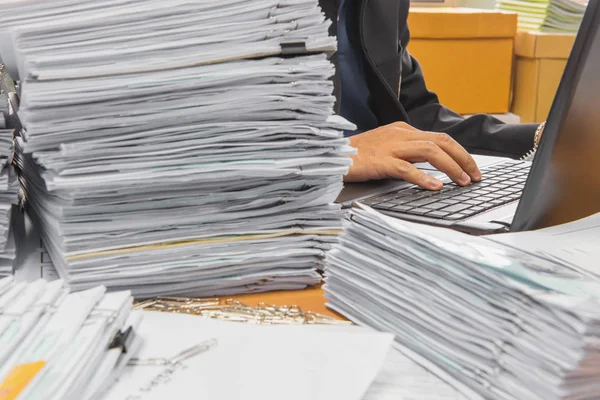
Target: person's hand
[{"x": 388, "y": 151}]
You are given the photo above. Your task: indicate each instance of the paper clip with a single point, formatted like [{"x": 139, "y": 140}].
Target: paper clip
[
  {"x": 178, "y": 358},
  {"x": 235, "y": 311}
]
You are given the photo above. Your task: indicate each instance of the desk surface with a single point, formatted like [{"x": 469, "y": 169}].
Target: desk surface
[{"x": 309, "y": 299}]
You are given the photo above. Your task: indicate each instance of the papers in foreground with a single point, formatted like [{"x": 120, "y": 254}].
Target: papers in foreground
[
  {"x": 494, "y": 321},
  {"x": 92, "y": 345}
]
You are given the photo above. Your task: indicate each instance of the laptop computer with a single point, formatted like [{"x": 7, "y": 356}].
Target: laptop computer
[{"x": 561, "y": 184}]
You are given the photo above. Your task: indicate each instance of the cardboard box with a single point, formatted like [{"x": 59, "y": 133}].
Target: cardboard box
[
  {"x": 540, "y": 61},
  {"x": 466, "y": 56}
]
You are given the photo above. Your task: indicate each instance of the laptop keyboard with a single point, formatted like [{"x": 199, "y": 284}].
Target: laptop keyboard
[{"x": 501, "y": 184}]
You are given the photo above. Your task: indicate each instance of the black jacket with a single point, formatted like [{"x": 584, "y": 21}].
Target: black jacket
[{"x": 399, "y": 93}]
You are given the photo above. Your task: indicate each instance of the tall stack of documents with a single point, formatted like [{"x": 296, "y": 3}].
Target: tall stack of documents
[
  {"x": 61, "y": 345},
  {"x": 9, "y": 188},
  {"x": 494, "y": 321},
  {"x": 559, "y": 16},
  {"x": 179, "y": 147}
]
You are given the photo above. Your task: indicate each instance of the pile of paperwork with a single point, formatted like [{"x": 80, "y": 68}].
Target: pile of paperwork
[
  {"x": 559, "y": 16},
  {"x": 178, "y": 147},
  {"x": 60, "y": 345},
  {"x": 493, "y": 320},
  {"x": 92, "y": 345}
]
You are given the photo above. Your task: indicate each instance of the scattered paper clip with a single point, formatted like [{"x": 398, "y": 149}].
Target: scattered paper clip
[
  {"x": 178, "y": 358},
  {"x": 168, "y": 366},
  {"x": 236, "y": 311}
]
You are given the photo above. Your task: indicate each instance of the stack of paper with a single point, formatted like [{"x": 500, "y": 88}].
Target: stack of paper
[
  {"x": 61, "y": 345},
  {"x": 157, "y": 156},
  {"x": 495, "y": 322},
  {"x": 561, "y": 16},
  {"x": 9, "y": 188}
]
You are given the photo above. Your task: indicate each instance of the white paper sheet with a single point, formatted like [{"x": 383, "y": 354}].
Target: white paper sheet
[{"x": 251, "y": 362}]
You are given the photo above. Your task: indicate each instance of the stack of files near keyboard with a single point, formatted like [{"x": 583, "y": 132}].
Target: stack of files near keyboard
[
  {"x": 9, "y": 191},
  {"x": 61, "y": 345},
  {"x": 179, "y": 147},
  {"x": 493, "y": 321},
  {"x": 559, "y": 16}
]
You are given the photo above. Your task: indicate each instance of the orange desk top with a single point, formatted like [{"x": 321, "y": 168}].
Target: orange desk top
[{"x": 309, "y": 299}]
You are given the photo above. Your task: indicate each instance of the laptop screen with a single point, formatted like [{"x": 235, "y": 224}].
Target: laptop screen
[{"x": 564, "y": 183}]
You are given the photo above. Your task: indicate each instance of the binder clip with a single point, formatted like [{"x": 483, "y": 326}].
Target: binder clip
[
  {"x": 122, "y": 340},
  {"x": 293, "y": 48}
]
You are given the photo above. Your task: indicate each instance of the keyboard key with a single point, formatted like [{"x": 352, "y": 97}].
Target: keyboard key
[
  {"x": 461, "y": 198},
  {"x": 457, "y": 208},
  {"x": 435, "y": 206},
  {"x": 485, "y": 199},
  {"x": 501, "y": 186},
  {"x": 371, "y": 202},
  {"x": 385, "y": 206},
  {"x": 388, "y": 197},
  {"x": 418, "y": 211},
  {"x": 422, "y": 202},
  {"x": 437, "y": 214},
  {"x": 401, "y": 208},
  {"x": 403, "y": 200},
  {"x": 448, "y": 202},
  {"x": 455, "y": 217}
]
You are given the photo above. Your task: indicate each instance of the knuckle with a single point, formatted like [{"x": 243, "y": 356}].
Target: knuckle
[
  {"x": 430, "y": 147},
  {"x": 444, "y": 138},
  {"x": 399, "y": 124},
  {"x": 403, "y": 168}
]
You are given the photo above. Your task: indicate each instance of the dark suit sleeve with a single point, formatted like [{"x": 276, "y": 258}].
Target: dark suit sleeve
[{"x": 479, "y": 134}]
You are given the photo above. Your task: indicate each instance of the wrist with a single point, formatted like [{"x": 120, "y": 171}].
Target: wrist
[
  {"x": 536, "y": 141},
  {"x": 538, "y": 134}
]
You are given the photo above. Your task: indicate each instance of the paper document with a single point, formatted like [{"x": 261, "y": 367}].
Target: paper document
[
  {"x": 182, "y": 148},
  {"x": 57, "y": 345},
  {"x": 253, "y": 361},
  {"x": 401, "y": 378},
  {"x": 574, "y": 244},
  {"x": 492, "y": 320},
  {"x": 558, "y": 16}
]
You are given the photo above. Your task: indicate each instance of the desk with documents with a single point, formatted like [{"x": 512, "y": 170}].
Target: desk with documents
[
  {"x": 399, "y": 378},
  {"x": 205, "y": 160}
]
